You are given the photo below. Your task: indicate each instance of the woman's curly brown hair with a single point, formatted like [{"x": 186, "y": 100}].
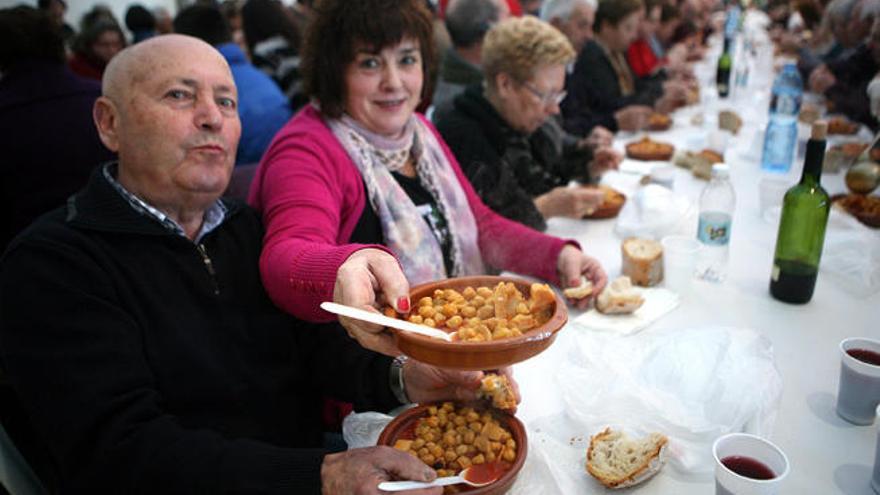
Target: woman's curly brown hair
[{"x": 339, "y": 26}]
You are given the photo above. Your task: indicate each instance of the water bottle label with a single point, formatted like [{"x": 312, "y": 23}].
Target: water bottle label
[{"x": 714, "y": 228}]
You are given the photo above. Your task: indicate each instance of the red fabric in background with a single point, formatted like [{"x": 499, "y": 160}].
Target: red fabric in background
[
  {"x": 515, "y": 8},
  {"x": 641, "y": 58}
]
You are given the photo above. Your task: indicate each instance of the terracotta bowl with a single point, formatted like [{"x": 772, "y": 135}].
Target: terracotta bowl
[
  {"x": 608, "y": 210},
  {"x": 870, "y": 220},
  {"x": 406, "y": 421},
  {"x": 478, "y": 356}
]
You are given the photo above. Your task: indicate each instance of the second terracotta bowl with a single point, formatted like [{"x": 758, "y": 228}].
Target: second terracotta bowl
[{"x": 478, "y": 356}]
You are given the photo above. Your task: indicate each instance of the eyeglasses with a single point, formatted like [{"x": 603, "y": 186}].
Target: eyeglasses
[{"x": 551, "y": 98}]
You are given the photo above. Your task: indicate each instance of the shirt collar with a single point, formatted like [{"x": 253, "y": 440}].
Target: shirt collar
[{"x": 214, "y": 215}]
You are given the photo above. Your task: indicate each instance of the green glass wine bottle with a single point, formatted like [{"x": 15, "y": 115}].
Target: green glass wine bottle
[
  {"x": 722, "y": 77},
  {"x": 805, "y": 210}
]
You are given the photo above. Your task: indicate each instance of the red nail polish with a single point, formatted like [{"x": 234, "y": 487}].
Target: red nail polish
[
  {"x": 574, "y": 282},
  {"x": 403, "y": 304}
]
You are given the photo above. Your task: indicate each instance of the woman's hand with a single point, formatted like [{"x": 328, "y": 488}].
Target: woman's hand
[
  {"x": 426, "y": 383},
  {"x": 599, "y": 137},
  {"x": 821, "y": 79},
  {"x": 572, "y": 202},
  {"x": 573, "y": 265},
  {"x": 369, "y": 279},
  {"x": 359, "y": 471},
  {"x": 604, "y": 159}
]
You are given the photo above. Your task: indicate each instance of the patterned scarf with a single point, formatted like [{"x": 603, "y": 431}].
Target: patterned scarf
[{"x": 406, "y": 233}]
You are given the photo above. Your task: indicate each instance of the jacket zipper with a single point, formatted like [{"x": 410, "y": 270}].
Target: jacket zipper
[{"x": 210, "y": 267}]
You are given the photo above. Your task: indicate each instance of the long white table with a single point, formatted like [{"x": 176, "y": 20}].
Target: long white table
[{"x": 827, "y": 454}]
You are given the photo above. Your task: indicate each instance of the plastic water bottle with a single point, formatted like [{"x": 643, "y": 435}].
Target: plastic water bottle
[
  {"x": 717, "y": 202},
  {"x": 781, "y": 135}
]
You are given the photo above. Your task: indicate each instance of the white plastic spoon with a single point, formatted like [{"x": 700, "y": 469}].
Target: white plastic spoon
[
  {"x": 397, "y": 486},
  {"x": 364, "y": 315}
]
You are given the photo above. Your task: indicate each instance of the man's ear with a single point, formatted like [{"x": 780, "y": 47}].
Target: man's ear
[{"x": 106, "y": 117}]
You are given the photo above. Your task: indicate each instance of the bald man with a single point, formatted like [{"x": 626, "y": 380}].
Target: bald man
[{"x": 136, "y": 333}]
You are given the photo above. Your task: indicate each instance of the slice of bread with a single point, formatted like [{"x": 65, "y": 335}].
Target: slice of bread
[
  {"x": 642, "y": 261},
  {"x": 579, "y": 292},
  {"x": 619, "y": 297},
  {"x": 618, "y": 460},
  {"x": 498, "y": 389}
]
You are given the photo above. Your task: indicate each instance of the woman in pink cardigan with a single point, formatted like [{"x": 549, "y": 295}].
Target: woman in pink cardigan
[{"x": 361, "y": 197}]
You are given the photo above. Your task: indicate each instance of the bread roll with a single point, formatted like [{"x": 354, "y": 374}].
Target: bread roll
[
  {"x": 619, "y": 461},
  {"x": 618, "y": 297},
  {"x": 579, "y": 292},
  {"x": 642, "y": 261}
]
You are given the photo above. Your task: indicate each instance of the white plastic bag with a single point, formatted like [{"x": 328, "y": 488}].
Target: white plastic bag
[
  {"x": 851, "y": 255},
  {"x": 654, "y": 212},
  {"x": 691, "y": 385}
]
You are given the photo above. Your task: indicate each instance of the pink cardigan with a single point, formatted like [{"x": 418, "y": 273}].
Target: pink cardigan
[{"x": 311, "y": 196}]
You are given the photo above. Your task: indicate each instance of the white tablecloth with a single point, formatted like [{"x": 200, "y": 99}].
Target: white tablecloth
[{"x": 827, "y": 454}]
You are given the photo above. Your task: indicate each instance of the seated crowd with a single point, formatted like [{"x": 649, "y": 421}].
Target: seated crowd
[{"x": 158, "y": 336}]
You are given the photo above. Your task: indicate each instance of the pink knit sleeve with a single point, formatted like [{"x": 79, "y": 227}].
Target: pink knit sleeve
[
  {"x": 305, "y": 197},
  {"x": 503, "y": 242}
]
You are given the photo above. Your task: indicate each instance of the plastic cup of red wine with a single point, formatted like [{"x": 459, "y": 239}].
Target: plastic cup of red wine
[
  {"x": 858, "y": 392},
  {"x": 748, "y": 465},
  {"x": 875, "y": 477}
]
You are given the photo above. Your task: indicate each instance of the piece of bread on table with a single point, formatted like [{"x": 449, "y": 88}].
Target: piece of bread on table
[
  {"x": 497, "y": 388},
  {"x": 619, "y": 297},
  {"x": 579, "y": 292},
  {"x": 618, "y": 460},
  {"x": 642, "y": 261}
]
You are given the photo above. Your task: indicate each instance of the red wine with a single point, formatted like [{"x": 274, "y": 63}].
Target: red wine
[
  {"x": 793, "y": 281},
  {"x": 865, "y": 356},
  {"x": 748, "y": 467}
]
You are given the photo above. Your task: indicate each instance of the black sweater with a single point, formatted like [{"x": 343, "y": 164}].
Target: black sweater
[
  {"x": 147, "y": 369},
  {"x": 508, "y": 168},
  {"x": 594, "y": 92}
]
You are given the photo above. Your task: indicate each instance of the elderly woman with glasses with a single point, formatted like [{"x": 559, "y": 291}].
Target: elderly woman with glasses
[
  {"x": 506, "y": 136},
  {"x": 361, "y": 197}
]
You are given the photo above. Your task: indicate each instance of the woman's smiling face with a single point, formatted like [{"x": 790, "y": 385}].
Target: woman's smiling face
[{"x": 382, "y": 89}]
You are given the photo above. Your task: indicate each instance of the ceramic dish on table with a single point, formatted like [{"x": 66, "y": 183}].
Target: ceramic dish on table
[
  {"x": 865, "y": 208},
  {"x": 487, "y": 355},
  {"x": 611, "y": 204},
  {"x": 404, "y": 426}
]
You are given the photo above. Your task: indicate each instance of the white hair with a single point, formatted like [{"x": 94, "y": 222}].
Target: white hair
[{"x": 562, "y": 9}]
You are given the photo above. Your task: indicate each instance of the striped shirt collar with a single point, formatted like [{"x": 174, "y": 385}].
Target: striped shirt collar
[{"x": 214, "y": 215}]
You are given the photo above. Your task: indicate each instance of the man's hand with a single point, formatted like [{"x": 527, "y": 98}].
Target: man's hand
[
  {"x": 368, "y": 279},
  {"x": 426, "y": 383},
  {"x": 604, "y": 159},
  {"x": 573, "y": 265},
  {"x": 359, "y": 471},
  {"x": 572, "y": 202},
  {"x": 632, "y": 117}
]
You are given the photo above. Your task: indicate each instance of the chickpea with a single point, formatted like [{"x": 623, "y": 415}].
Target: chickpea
[
  {"x": 490, "y": 457},
  {"x": 472, "y": 416},
  {"x": 469, "y": 311},
  {"x": 485, "y": 292},
  {"x": 509, "y": 455},
  {"x": 510, "y": 443},
  {"x": 418, "y": 443},
  {"x": 449, "y": 310},
  {"x": 430, "y": 322},
  {"x": 469, "y": 437},
  {"x": 522, "y": 309},
  {"x": 464, "y": 462},
  {"x": 478, "y": 301},
  {"x": 454, "y": 322},
  {"x": 426, "y": 311},
  {"x": 485, "y": 312},
  {"x": 415, "y": 318},
  {"x": 426, "y": 301},
  {"x": 423, "y": 451},
  {"x": 461, "y": 449},
  {"x": 450, "y": 455},
  {"x": 429, "y": 459},
  {"x": 439, "y": 318},
  {"x": 438, "y": 293},
  {"x": 469, "y": 293},
  {"x": 479, "y": 459}
]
